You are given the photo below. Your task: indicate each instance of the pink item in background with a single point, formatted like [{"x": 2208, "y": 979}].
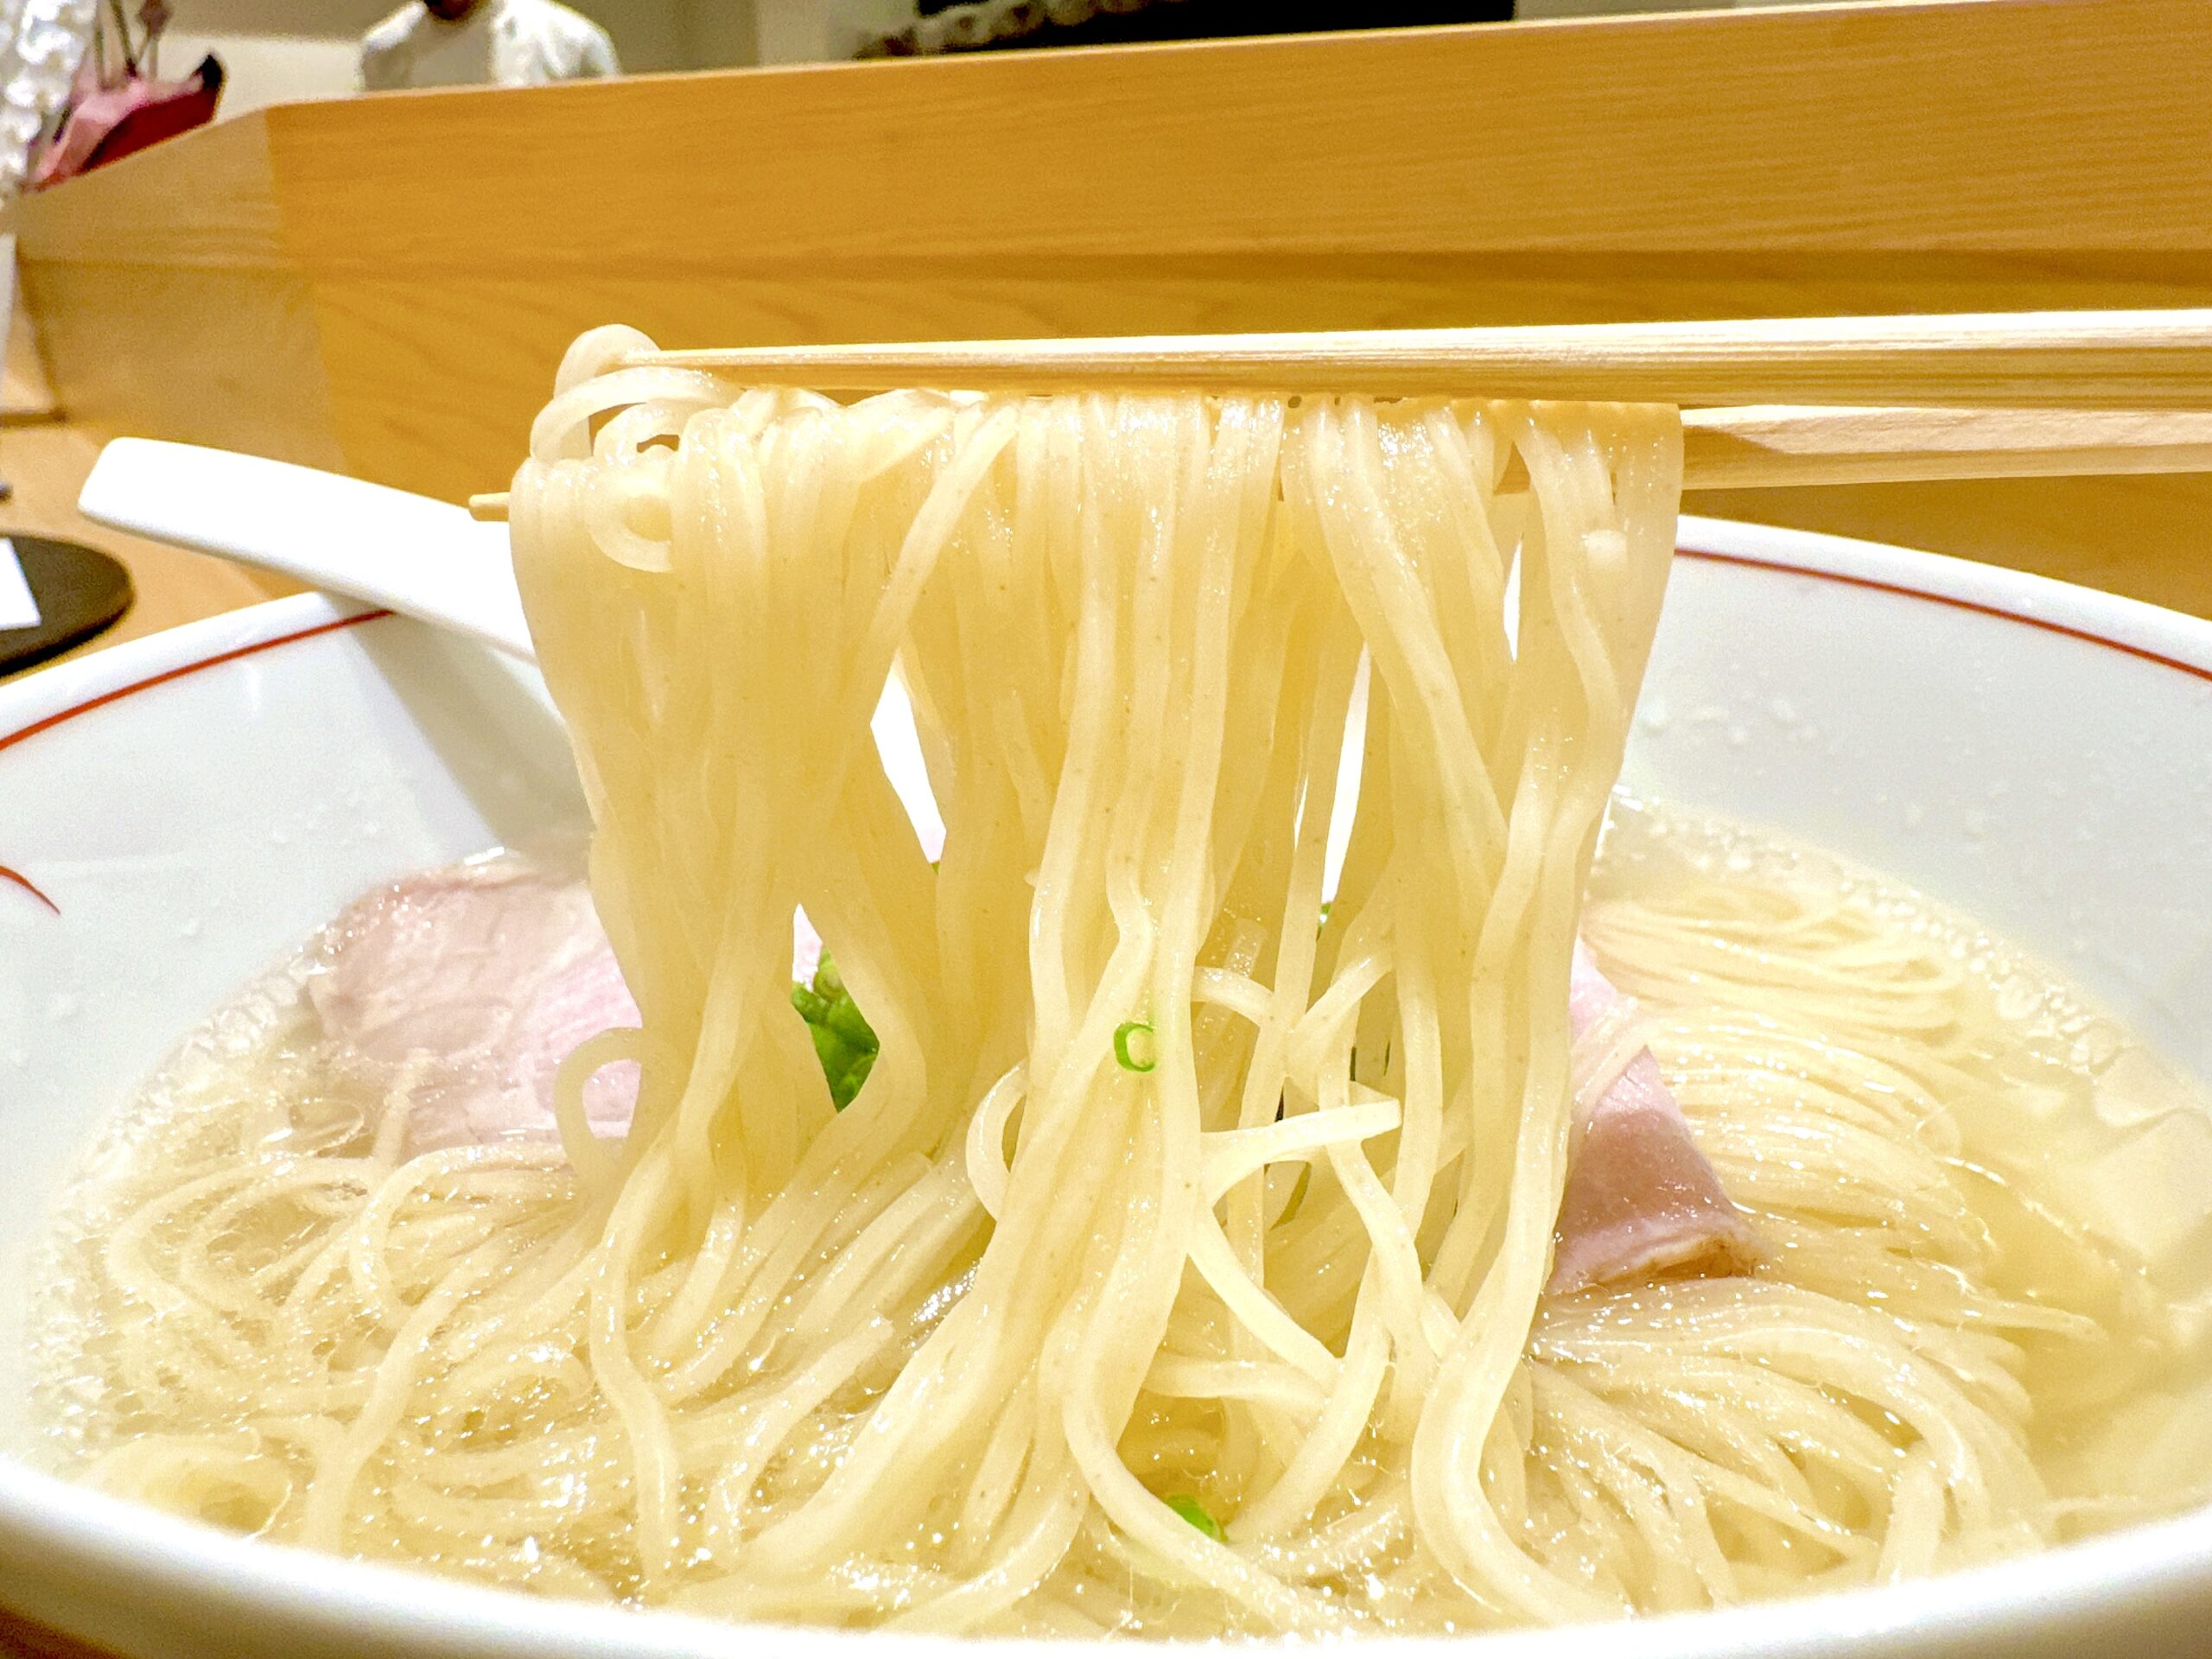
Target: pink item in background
[{"x": 109, "y": 116}]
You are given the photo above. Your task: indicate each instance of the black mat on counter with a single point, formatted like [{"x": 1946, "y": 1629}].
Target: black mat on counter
[{"x": 79, "y": 593}]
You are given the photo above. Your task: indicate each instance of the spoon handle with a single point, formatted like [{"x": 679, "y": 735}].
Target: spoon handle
[{"x": 422, "y": 558}]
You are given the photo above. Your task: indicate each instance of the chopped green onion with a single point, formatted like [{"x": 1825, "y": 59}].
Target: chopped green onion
[
  {"x": 843, "y": 1017},
  {"x": 844, "y": 1040},
  {"x": 1128, "y": 1061},
  {"x": 844, "y": 1089},
  {"x": 1195, "y": 1512},
  {"x": 829, "y": 1049}
]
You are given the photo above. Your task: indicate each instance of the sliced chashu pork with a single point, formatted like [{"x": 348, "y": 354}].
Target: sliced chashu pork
[
  {"x": 1641, "y": 1200},
  {"x": 471, "y": 984}
]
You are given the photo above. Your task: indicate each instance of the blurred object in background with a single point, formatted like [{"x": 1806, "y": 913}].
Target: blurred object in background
[
  {"x": 293, "y": 51},
  {"x": 42, "y": 43},
  {"x": 479, "y": 42},
  {"x": 118, "y": 104},
  {"x": 988, "y": 25}
]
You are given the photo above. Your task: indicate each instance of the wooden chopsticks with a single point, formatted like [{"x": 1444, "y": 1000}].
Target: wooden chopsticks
[
  {"x": 1807, "y": 400},
  {"x": 1775, "y": 445},
  {"x": 2058, "y": 360}
]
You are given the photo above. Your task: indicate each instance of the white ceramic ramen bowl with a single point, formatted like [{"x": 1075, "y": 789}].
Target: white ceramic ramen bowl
[{"x": 178, "y": 812}]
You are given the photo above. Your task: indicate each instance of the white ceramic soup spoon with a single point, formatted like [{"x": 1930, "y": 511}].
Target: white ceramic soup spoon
[{"x": 407, "y": 553}]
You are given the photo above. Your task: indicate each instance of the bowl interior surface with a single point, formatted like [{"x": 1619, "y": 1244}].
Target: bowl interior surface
[{"x": 176, "y": 815}]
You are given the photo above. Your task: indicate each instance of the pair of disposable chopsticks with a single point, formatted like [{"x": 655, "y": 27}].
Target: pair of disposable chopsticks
[{"x": 1766, "y": 402}]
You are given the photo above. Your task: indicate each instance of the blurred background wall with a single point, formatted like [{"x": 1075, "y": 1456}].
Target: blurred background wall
[{"x": 283, "y": 51}]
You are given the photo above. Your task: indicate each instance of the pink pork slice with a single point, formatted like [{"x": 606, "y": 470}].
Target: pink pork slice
[
  {"x": 1641, "y": 1200},
  {"x": 483, "y": 977}
]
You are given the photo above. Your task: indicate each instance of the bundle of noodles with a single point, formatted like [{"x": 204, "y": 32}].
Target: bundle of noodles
[
  {"x": 1180, "y": 1266},
  {"x": 1130, "y": 625}
]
